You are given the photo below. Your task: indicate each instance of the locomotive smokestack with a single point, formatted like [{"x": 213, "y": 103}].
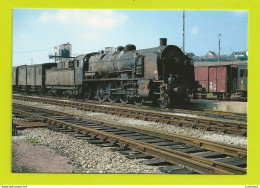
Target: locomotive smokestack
[{"x": 163, "y": 41}]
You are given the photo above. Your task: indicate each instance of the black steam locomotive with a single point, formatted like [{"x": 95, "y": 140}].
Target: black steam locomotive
[{"x": 163, "y": 75}]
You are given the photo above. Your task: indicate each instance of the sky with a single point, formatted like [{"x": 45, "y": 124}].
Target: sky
[{"x": 37, "y": 31}]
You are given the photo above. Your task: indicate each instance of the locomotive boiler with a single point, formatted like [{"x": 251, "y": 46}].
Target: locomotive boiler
[{"x": 163, "y": 75}]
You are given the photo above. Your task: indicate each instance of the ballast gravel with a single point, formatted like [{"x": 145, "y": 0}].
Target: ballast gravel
[
  {"x": 88, "y": 158},
  {"x": 185, "y": 131}
]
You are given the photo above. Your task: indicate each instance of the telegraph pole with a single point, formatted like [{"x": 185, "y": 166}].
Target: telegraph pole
[
  {"x": 183, "y": 33},
  {"x": 219, "y": 36}
]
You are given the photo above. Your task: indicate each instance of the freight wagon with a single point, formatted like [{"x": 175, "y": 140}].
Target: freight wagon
[
  {"x": 31, "y": 78},
  {"x": 15, "y": 77},
  {"x": 224, "y": 81}
]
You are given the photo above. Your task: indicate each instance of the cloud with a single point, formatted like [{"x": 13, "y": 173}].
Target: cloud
[
  {"x": 195, "y": 30},
  {"x": 100, "y": 19},
  {"x": 240, "y": 13}
]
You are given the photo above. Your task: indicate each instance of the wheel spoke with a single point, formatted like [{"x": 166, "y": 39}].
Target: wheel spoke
[
  {"x": 138, "y": 101},
  {"x": 164, "y": 103},
  {"x": 124, "y": 99},
  {"x": 101, "y": 92},
  {"x": 87, "y": 94},
  {"x": 112, "y": 97}
]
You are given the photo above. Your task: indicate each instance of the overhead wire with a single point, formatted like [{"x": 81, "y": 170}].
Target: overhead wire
[{"x": 32, "y": 51}]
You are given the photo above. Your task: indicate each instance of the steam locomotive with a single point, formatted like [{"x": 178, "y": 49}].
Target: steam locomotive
[{"x": 163, "y": 75}]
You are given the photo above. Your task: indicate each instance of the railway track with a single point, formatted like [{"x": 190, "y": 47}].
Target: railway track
[
  {"x": 204, "y": 112},
  {"x": 223, "y": 126},
  {"x": 174, "y": 153},
  {"x": 147, "y": 106}
]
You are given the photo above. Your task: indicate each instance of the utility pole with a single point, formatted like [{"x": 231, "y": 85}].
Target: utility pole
[
  {"x": 183, "y": 33},
  {"x": 31, "y": 61},
  {"x": 219, "y": 36}
]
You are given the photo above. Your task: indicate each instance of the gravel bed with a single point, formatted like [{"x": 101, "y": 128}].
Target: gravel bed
[
  {"x": 186, "y": 131},
  {"x": 88, "y": 158}
]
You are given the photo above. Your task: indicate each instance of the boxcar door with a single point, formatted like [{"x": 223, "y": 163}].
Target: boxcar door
[
  {"x": 78, "y": 72},
  {"x": 221, "y": 79},
  {"x": 242, "y": 78},
  {"x": 201, "y": 75},
  {"x": 212, "y": 79},
  {"x": 22, "y": 76},
  {"x": 233, "y": 79},
  {"x": 38, "y": 76}
]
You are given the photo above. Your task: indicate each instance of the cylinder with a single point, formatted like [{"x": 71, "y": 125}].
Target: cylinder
[{"x": 163, "y": 41}]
